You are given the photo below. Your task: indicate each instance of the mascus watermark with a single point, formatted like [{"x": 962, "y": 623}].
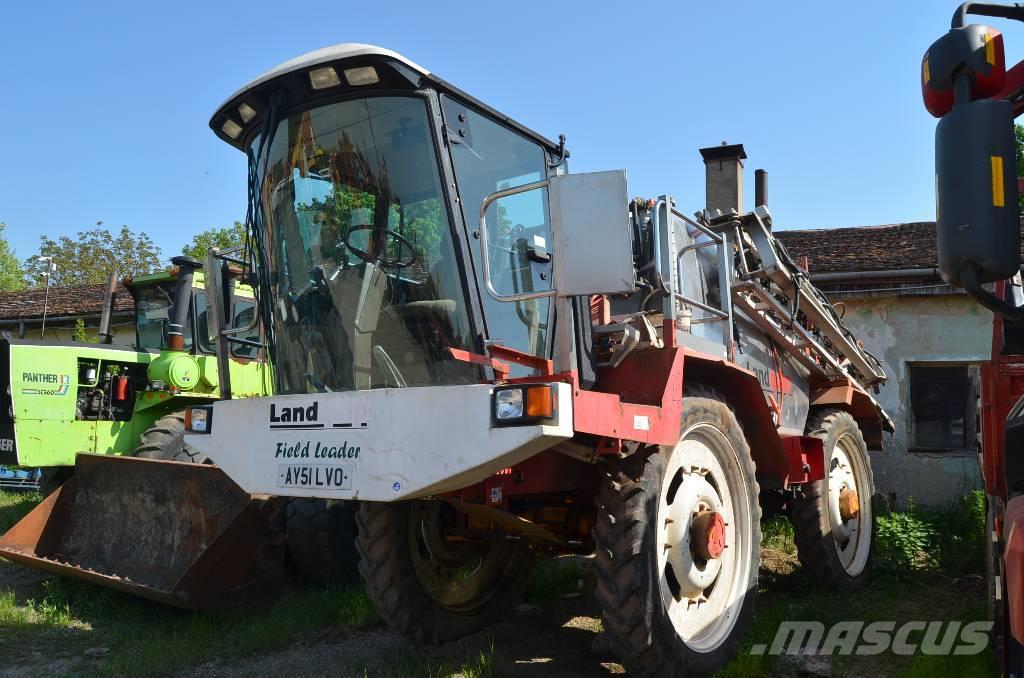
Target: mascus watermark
[{"x": 871, "y": 638}]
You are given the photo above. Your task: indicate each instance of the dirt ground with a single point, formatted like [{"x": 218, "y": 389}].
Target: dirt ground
[{"x": 548, "y": 638}]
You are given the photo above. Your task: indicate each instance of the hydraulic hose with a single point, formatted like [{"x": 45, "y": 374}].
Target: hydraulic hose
[{"x": 969, "y": 280}]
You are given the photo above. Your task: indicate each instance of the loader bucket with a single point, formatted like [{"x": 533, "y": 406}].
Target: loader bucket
[{"x": 177, "y": 533}]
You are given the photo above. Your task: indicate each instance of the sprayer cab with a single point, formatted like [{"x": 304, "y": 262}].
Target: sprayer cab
[{"x": 401, "y": 226}]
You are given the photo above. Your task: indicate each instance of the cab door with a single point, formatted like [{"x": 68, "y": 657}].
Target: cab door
[{"x": 489, "y": 157}]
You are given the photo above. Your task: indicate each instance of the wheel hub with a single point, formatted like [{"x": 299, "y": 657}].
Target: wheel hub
[
  {"x": 686, "y": 536},
  {"x": 703, "y": 563},
  {"x": 707, "y": 535},
  {"x": 849, "y": 504}
]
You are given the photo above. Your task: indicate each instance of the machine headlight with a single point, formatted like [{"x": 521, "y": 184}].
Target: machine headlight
[
  {"x": 323, "y": 78},
  {"x": 198, "y": 419},
  {"x": 364, "y": 75},
  {"x": 246, "y": 112},
  {"x": 508, "y": 404},
  {"x": 231, "y": 128},
  {"x": 523, "y": 404}
]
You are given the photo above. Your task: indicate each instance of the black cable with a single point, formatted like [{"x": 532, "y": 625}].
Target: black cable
[{"x": 255, "y": 241}]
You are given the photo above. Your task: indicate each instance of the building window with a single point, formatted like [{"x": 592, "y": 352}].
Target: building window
[{"x": 943, "y": 404}]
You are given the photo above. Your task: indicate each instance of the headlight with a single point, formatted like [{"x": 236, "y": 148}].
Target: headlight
[
  {"x": 198, "y": 419},
  {"x": 523, "y": 404},
  {"x": 508, "y": 404}
]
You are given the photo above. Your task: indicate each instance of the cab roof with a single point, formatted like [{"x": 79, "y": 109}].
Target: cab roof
[{"x": 291, "y": 79}]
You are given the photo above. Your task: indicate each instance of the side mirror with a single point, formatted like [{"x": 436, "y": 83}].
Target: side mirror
[
  {"x": 977, "y": 213},
  {"x": 592, "y": 248},
  {"x": 974, "y": 50}
]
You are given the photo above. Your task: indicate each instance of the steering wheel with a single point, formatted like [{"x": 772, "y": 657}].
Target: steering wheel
[{"x": 381, "y": 236}]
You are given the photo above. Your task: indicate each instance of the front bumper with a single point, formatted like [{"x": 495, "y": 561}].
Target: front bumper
[{"x": 380, "y": 445}]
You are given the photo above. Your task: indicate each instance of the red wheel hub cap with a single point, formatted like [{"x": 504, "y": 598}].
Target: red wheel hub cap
[{"x": 707, "y": 535}]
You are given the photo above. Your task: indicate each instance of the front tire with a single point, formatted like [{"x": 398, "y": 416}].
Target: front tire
[
  {"x": 673, "y": 605},
  {"x": 432, "y": 588},
  {"x": 165, "y": 440},
  {"x": 835, "y": 542},
  {"x": 321, "y": 540}
]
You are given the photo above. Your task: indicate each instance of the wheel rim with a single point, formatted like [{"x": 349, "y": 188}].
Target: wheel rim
[
  {"x": 702, "y": 598},
  {"x": 851, "y": 530},
  {"x": 458, "y": 575}
]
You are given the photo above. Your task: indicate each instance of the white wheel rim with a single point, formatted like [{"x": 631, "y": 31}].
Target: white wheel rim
[
  {"x": 702, "y": 599},
  {"x": 851, "y": 538}
]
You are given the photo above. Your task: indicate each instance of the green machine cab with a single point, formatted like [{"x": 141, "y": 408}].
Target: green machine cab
[{"x": 60, "y": 398}]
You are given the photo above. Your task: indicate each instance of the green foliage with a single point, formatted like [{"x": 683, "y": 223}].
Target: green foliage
[
  {"x": 229, "y": 236},
  {"x": 419, "y": 222},
  {"x": 777, "y": 534},
  {"x": 91, "y": 256},
  {"x": 905, "y": 541},
  {"x": 81, "y": 335},
  {"x": 949, "y": 538},
  {"x": 553, "y": 578},
  {"x": 12, "y": 278}
]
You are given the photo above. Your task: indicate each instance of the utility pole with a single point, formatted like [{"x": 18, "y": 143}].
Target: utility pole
[{"x": 50, "y": 268}]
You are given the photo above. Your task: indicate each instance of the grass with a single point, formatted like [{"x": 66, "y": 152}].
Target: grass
[
  {"x": 921, "y": 555},
  {"x": 150, "y": 640},
  {"x": 15, "y": 505},
  {"x": 554, "y": 578}
]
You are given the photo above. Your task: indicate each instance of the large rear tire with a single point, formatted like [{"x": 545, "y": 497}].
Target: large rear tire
[
  {"x": 834, "y": 530},
  {"x": 672, "y": 605},
  {"x": 165, "y": 440},
  {"x": 428, "y": 586},
  {"x": 321, "y": 540}
]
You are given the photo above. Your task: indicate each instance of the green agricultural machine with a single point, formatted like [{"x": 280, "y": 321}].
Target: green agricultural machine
[
  {"x": 107, "y": 425},
  {"x": 65, "y": 398}
]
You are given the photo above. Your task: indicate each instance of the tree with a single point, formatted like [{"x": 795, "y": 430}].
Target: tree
[
  {"x": 12, "y": 277},
  {"x": 230, "y": 236},
  {"x": 93, "y": 255}
]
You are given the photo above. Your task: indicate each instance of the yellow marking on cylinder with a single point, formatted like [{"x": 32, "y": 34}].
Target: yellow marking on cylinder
[
  {"x": 990, "y": 49},
  {"x": 925, "y": 70},
  {"x": 998, "y": 197}
]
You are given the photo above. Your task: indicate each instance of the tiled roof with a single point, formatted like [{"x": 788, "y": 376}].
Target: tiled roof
[
  {"x": 864, "y": 248},
  {"x": 80, "y": 300}
]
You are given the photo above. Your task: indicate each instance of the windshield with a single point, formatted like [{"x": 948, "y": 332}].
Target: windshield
[
  {"x": 152, "y": 311},
  {"x": 367, "y": 290}
]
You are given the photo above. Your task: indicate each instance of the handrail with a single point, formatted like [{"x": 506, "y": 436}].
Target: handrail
[{"x": 485, "y": 255}]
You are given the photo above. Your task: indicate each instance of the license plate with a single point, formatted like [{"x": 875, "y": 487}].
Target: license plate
[{"x": 334, "y": 477}]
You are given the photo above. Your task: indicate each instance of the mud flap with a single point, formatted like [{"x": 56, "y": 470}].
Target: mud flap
[{"x": 177, "y": 533}]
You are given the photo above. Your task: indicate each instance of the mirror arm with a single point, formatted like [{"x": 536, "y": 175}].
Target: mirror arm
[{"x": 485, "y": 261}]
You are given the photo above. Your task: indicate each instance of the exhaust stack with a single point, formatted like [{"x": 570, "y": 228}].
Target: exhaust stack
[
  {"x": 109, "y": 295},
  {"x": 187, "y": 266},
  {"x": 760, "y": 188}
]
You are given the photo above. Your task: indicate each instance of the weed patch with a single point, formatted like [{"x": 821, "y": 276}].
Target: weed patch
[
  {"x": 553, "y": 578},
  {"x": 948, "y": 538}
]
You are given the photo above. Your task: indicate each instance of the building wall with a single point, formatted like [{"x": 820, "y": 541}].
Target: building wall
[
  {"x": 902, "y": 330},
  {"x": 124, "y": 331}
]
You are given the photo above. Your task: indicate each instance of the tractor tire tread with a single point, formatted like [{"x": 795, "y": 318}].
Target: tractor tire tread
[
  {"x": 807, "y": 511},
  {"x": 627, "y": 599},
  {"x": 321, "y": 540}
]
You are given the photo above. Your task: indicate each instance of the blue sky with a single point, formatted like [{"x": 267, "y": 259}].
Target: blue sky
[{"x": 106, "y": 104}]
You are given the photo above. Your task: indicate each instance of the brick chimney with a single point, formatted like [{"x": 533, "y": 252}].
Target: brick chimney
[{"x": 723, "y": 167}]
